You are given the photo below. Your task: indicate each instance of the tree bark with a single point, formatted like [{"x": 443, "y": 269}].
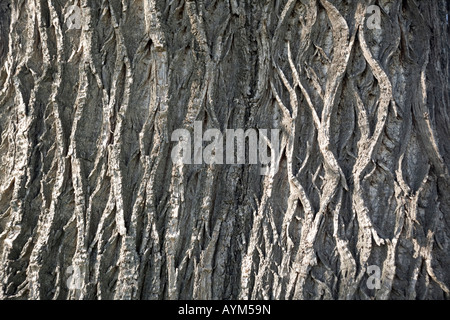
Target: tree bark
[{"x": 87, "y": 182}]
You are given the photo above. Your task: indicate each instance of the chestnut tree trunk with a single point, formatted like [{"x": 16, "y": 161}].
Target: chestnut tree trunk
[{"x": 93, "y": 207}]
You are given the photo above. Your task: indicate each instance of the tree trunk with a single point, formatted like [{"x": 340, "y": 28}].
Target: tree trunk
[{"x": 92, "y": 205}]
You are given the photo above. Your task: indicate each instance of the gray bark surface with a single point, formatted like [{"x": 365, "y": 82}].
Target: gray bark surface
[{"x": 87, "y": 180}]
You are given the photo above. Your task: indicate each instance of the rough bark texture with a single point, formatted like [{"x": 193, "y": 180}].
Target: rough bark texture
[{"x": 86, "y": 177}]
